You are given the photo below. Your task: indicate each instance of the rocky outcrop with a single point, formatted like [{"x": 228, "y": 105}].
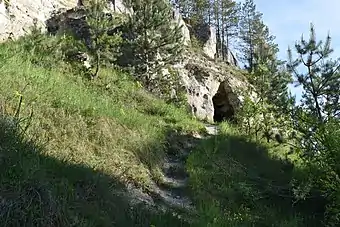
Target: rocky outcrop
[
  {"x": 206, "y": 35},
  {"x": 214, "y": 91},
  {"x": 209, "y": 47},
  {"x": 177, "y": 17},
  {"x": 17, "y": 17}
]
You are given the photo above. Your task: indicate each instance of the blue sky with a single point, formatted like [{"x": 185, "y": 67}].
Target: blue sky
[{"x": 289, "y": 19}]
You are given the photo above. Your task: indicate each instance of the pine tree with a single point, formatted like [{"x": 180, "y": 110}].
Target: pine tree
[
  {"x": 252, "y": 33},
  {"x": 217, "y": 22},
  {"x": 320, "y": 99},
  {"x": 101, "y": 46},
  {"x": 229, "y": 23},
  {"x": 157, "y": 40},
  {"x": 317, "y": 119},
  {"x": 321, "y": 81},
  {"x": 200, "y": 11},
  {"x": 184, "y": 6}
]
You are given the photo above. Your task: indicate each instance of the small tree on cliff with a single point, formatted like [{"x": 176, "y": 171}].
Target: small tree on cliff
[
  {"x": 100, "y": 45},
  {"x": 156, "y": 39},
  {"x": 91, "y": 35}
]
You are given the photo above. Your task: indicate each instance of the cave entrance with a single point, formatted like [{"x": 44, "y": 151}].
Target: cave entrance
[{"x": 223, "y": 110}]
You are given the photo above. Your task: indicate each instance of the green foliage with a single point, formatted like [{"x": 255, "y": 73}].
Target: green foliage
[
  {"x": 257, "y": 119},
  {"x": 177, "y": 95},
  {"x": 85, "y": 141},
  {"x": 156, "y": 42},
  {"x": 102, "y": 46},
  {"x": 321, "y": 79},
  {"x": 196, "y": 44},
  {"x": 254, "y": 35},
  {"x": 317, "y": 121},
  {"x": 41, "y": 190},
  {"x": 237, "y": 182}
]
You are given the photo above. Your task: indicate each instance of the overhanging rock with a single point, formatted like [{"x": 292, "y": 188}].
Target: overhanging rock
[{"x": 214, "y": 92}]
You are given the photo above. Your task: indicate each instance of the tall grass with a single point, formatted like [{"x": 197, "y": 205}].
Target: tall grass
[
  {"x": 93, "y": 136},
  {"x": 238, "y": 182}
]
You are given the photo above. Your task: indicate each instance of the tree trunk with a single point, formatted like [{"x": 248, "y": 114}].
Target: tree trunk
[{"x": 96, "y": 72}]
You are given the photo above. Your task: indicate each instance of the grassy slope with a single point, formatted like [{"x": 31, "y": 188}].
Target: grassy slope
[
  {"x": 90, "y": 137},
  {"x": 237, "y": 182}
]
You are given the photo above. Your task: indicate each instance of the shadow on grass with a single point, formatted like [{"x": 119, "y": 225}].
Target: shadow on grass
[
  {"x": 36, "y": 190},
  {"x": 235, "y": 182}
]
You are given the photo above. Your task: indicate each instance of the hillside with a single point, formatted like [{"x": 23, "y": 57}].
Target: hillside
[
  {"x": 139, "y": 115},
  {"x": 89, "y": 146},
  {"x": 84, "y": 140}
]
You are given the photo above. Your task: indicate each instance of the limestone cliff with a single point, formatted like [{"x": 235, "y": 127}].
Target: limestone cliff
[
  {"x": 213, "y": 89},
  {"x": 17, "y": 16}
]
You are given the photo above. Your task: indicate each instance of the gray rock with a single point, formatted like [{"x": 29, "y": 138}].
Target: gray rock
[
  {"x": 177, "y": 17},
  {"x": 209, "y": 47},
  {"x": 211, "y": 88},
  {"x": 16, "y": 20},
  {"x": 119, "y": 7},
  {"x": 206, "y": 34}
]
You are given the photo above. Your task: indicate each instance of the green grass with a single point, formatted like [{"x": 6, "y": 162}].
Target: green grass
[
  {"x": 91, "y": 137},
  {"x": 87, "y": 139},
  {"x": 39, "y": 190},
  {"x": 237, "y": 182}
]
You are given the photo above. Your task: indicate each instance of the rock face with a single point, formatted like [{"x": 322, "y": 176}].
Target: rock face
[
  {"x": 206, "y": 34},
  {"x": 209, "y": 48},
  {"x": 230, "y": 58},
  {"x": 118, "y": 7},
  {"x": 213, "y": 91},
  {"x": 19, "y": 16},
  {"x": 177, "y": 17}
]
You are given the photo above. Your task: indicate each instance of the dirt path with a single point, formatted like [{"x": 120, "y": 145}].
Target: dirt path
[{"x": 172, "y": 189}]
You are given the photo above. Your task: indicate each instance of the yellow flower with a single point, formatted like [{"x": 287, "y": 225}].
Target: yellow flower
[
  {"x": 139, "y": 84},
  {"x": 122, "y": 111},
  {"x": 17, "y": 94}
]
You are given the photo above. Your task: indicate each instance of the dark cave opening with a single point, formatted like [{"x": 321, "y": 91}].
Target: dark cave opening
[{"x": 223, "y": 110}]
